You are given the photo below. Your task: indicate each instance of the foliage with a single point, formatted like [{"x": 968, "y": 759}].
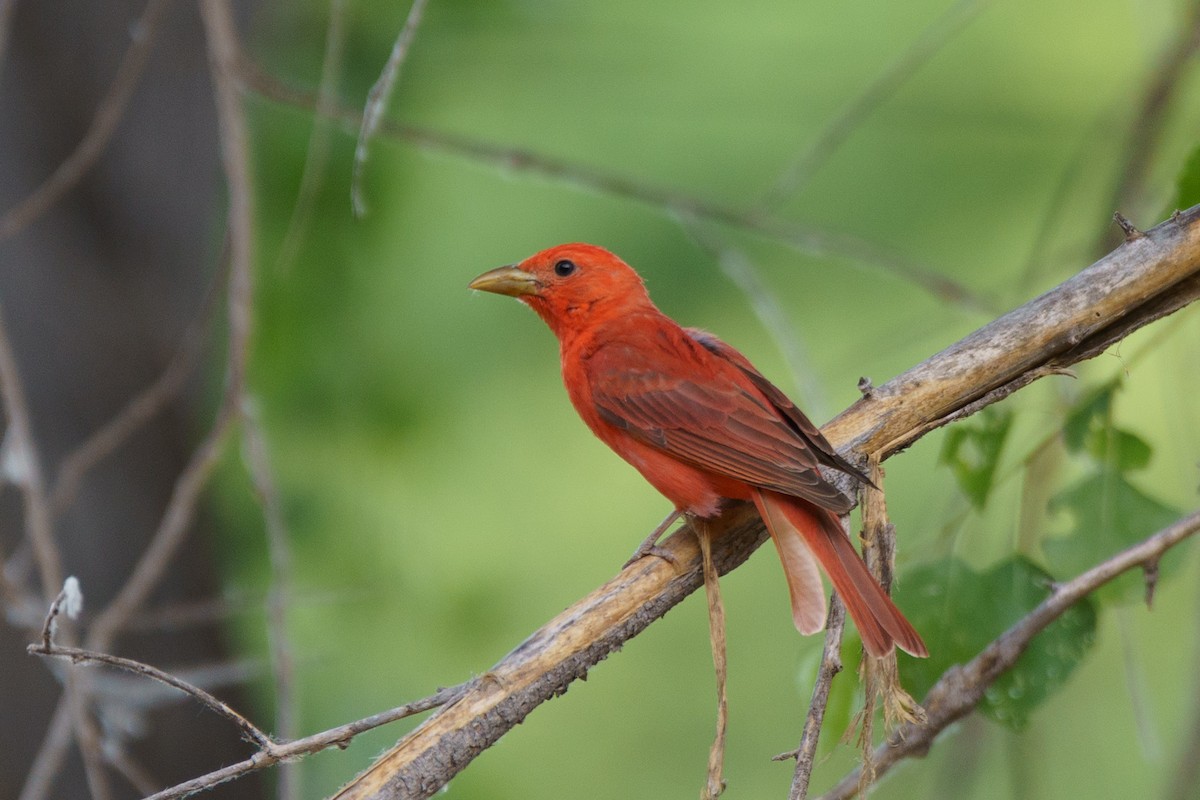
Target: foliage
[
  {"x": 1108, "y": 512},
  {"x": 964, "y": 610}
]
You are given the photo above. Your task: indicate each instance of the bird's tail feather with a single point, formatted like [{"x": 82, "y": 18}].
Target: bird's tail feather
[{"x": 800, "y": 532}]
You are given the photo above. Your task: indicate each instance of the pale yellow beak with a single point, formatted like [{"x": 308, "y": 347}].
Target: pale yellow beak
[{"x": 510, "y": 280}]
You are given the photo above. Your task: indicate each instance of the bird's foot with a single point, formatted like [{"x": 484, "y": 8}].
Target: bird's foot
[{"x": 649, "y": 546}]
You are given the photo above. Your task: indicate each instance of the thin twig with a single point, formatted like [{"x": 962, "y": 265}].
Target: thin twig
[
  {"x": 1186, "y": 776},
  {"x": 223, "y": 53},
  {"x": 279, "y": 596},
  {"x": 714, "y": 784},
  {"x": 76, "y": 694},
  {"x": 139, "y": 410},
  {"x": 316, "y": 158},
  {"x": 80, "y": 656},
  {"x": 831, "y": 665},
  {"x": 129, "y": 769},
  {"x": 334, "y": 737},
  {"x": 1148, "y": 123},
  {"x": 69, "y": 601},
  {"x": 880, "y": 676},
  {"x": 104, "y": 123},
  {"x": 87, "y": 737},
  {"x": 918, "y": 54},
  {"x": 171, "y": 531},
  {"x": 803, "y": 238},
  {"x": 739, "y": 269},
  {"x": 377, "y": 100},
  {"x": 22, "y": 466},
  {"x": 962, "y": 687},
  {"x": 47, "y": 764}
]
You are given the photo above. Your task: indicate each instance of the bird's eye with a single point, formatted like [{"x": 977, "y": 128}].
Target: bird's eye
[{"x": 564, "y": 268}]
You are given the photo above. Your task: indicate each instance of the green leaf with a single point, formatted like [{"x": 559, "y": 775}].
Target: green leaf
[
  {"x": 1188, "y": 184},
  {"x": 960, "y": 611},
  {"x": 1089, "y": 429},
  {"x": 972, "y": 450},
  {"x": 1119, "y": 449},
  {"x": 1091, "y": 412},
  {"x": 1109, "y": 514}
]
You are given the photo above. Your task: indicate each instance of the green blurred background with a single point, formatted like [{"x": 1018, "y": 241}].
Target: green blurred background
[{"x": 443, "y": 499}]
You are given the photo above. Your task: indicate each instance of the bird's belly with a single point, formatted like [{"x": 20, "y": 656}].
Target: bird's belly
[{"x": 693, "y": 490}]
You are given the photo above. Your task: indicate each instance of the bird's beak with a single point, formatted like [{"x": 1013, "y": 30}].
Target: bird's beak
[{"x": 510, "y": 280}]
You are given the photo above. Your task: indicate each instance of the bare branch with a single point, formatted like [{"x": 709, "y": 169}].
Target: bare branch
[
  {"x": 47, "y": 764},
  {"x": 1148, "y": 122},
  {"x": 739, "y": 269},
  {"x": 831, "y": 665},
  {"x": 334, "y": 737},
  {"x": 377, "y": 100},
  {"x": 224, "y": 56},
  {"x": 22, "y": 466},
  {"x": 918, "y": 54},
  {"x": 1135, "y": 284},
  {"x": 714, "y": 784},
  {"x": 280, "y": 593},
  {"x": 803, "y": 238},
  {"x": 223, "y": 53},
  {"x": 104, "y": 123},
  {"x": 962, "y": 687},
  {"x": 79, "y": 656},
  {"x": 141, "y": 408},
  {"x": 316, "y": 158},
  {"x": 69, "y": 600}
]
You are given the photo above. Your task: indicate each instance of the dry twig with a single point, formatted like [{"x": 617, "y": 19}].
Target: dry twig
[
  {"x": 885, "y": 84},
  {"x": 104, "y": 123},
  {"x": 316, "y": 158},
  {"x": 377, "y": 100},
  {"x": 280, "y": 592},
  {"x": 714, "y": 784},
  {"x": 810, "y": 734},
  {"x": 21, "y": 465},
  {"x": 79, "y": 656},
  {"x": 182, "y": 505},
  {"x": 804, "y": 238},
  {"x": 1148, "y": 122},
  {"x": 334, "y": 737},
  {"x": 141, "y": 408}
]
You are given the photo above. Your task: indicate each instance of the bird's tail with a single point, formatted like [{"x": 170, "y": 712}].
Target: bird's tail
[{"x": 800, "y": 532}]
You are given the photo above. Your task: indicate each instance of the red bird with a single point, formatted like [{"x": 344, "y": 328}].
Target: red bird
[{"x": 702, "y": 425}]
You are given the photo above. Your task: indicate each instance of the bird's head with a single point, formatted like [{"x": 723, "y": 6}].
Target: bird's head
[{"x": 570, "y": 286}]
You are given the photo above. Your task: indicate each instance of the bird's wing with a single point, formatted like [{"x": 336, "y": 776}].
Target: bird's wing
[
  {"x": 708, "y": 417},
  {"x": 810, "y": 433}
]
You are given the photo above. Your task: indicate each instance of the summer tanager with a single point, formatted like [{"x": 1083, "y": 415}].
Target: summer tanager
[{"x": 702, "y": 425}]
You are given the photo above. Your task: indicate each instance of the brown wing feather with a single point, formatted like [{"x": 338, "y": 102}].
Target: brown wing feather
[
  {"x": 821, "y": 447},
  {"x": 722, "y": 426}
]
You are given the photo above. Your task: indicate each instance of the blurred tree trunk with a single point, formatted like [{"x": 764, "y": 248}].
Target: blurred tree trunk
[{"x": 97, "y": 293}]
